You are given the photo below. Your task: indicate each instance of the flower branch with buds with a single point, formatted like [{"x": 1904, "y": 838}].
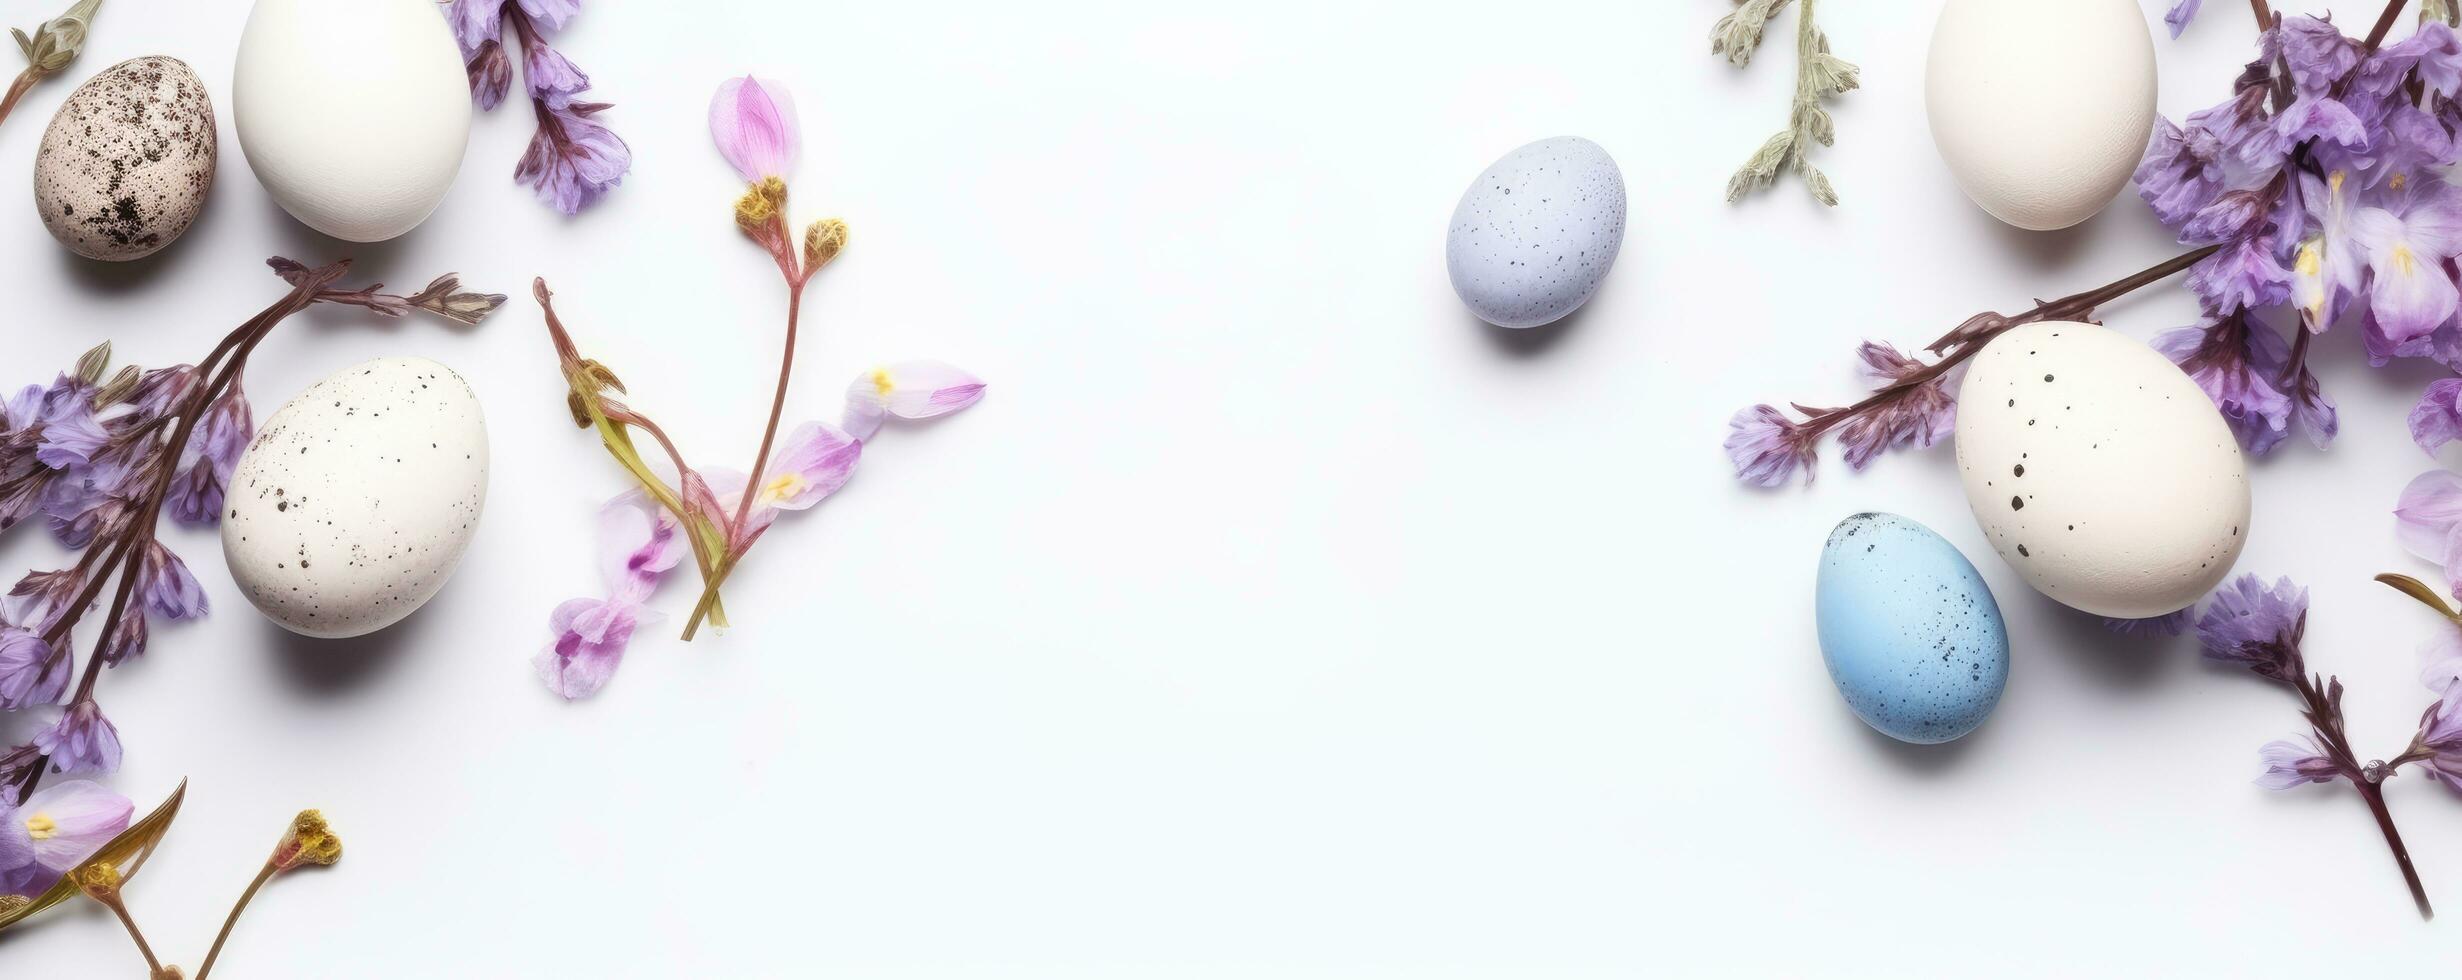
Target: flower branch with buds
[{"x": 716, "y": 514}]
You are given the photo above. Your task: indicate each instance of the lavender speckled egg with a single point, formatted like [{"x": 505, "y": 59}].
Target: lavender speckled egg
[
  {"x": 124, "y": 167},
  {"x": 1909, "y": 630},
  {"x": 355, "y": 501},
  {"x": 1535, "y": 234}
]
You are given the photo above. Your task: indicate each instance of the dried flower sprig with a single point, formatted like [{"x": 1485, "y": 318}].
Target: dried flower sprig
[
  {"x": 2259, "y": 627},
  {"x": 1819, "y": 75},
  {"x": 54, "y": 44},
  {"x": 573, "y": 159},
  {"x": 718, "y": 514},
  {"x": 103, "y": 871},
  {"x": 1914, "y": 403},
  {"x": 102, "y": 457}
]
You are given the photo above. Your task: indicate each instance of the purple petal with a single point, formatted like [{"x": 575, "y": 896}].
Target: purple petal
[
  {"x": 170, "y": 591},
  {"x": 31, "y": 671},
  {"x": 573, "y": 160},
  {"x": 77, "y": 817},
  {"x": 2427, "y": 514},
  {"x": 2437, "y": 419},
  {"x": 2179, "y": 16},
  {"x": 2289, "y": 764},
  {"x": 82, "y": 741},
  {"x": 1767, "y": 448}
]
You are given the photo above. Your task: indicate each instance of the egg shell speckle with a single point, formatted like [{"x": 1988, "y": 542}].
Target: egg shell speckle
[
  {"x": 2099, "y": 471},
  {"x": 1909, "y": 630},
  {"x": 1535, "y": 234},
  {"x": 353, "y": 504},
  {"x": 2041, "y": 109},
  {"x": 124, "y": 167}
]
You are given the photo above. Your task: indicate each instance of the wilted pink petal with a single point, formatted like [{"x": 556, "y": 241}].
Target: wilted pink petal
[
  {"x": 589, "y": 642},
  {"x": 753, "y": 123},
  {"x": 815, "y": 461},
  {"x": 638, "y": 542},
  {"x": 912, "y": 390}
]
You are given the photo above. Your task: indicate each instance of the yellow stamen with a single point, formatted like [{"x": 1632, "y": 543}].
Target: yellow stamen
[
  {"x": 782, "y": 487},
  {"x": 881, "y": 382},
  {"x": 2404, "y": 263},
  {"x": 2333, "y": 181},
  {"x": 41, "y": 827},
  {"x": 2397, "y": 181}
]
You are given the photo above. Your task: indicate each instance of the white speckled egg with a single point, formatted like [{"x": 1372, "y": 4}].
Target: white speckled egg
[
  {"x": 2099, "y": 471},
  {"x": 126, "y": 162},
  {"x": 1536, "y": 232},
  {"x": 2041, "y": 108},
  {"x": 353, "y": 113},
  {"x": 355, "y": 501}
]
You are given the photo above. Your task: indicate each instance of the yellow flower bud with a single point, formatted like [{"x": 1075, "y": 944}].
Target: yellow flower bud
[
  {"x": 310, "y": 841},
  {"x": 100, "y": 881},
  {"x": 822, "y": 242}
]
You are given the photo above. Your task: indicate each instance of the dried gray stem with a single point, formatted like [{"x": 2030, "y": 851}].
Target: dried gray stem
[{"x": 1819, "y": 75}]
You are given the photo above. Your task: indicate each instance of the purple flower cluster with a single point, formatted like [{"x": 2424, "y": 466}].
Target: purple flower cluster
[
  {"x": 574, "y": 159},
  {"x": 2321, "y": 184},
  {"x": 88, "y": 455}
]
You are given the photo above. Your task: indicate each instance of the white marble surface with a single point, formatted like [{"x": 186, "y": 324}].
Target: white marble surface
[{"x": 1272, "y": 616}]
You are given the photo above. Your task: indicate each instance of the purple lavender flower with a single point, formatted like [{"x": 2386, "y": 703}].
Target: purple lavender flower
[
  {"x": 2289, "y": 764},
  {"x": 2440, "y": 736},
  {"x": 2243, "y": 275},
  {"x": 1767, "y": 447},
  {"x": 2407, "y": 243},
  {"x": 31, "y": 672},
  {"x": 125, "y": 642},
  {"x": 82, "y": 741},
  {"x": 2249, "y": 625},
  {"x": 2236, "y": 362},
  {"x": 1918, "y": 417},
  {"x": 573, "y": 160},
  {"x": 169, "y": 590},
  {"x": 2437, "y": 419},
  {"x": 210, "y": 458},
  {"x": 38, "y": 600},
  {"x": 2181, "y": 13},
  {"x": 2317, "y": 52}
]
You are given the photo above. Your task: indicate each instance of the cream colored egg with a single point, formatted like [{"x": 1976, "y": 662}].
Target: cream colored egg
[
  {"x": 2041, "y": 108},
  {"x": 2099, "y": 471},
  {"x": 353, "y": 113},
  {"x": 354, "y": 502}
]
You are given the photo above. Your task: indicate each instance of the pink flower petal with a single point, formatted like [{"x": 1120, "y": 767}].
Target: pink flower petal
[
  {"x": 815, "y": 461},
  {"x": 638, "y": 542},
  {"x": 2440, "y": 661},
  {"x": 753, "y": 123},
  {"x": 69, "y": 820},
  {"x": 911, "y": 390}
]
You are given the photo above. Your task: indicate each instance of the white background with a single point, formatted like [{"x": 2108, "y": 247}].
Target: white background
[{"x": 1271, "y": 616}]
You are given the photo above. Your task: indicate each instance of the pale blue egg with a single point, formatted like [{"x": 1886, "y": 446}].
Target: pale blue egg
[
  {"x": 1534, "y": 235},
  {"x": 1910, "y": 632}
]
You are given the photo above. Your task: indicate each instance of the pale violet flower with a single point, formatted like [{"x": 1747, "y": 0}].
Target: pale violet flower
[
  {"x": 909, "y": 390},
  {"x": 82, "y": 741},
  {"x": 2427, "y": 517},
  {"x": 56, "y": 829},
  {"x": 2289, "y": 764}
]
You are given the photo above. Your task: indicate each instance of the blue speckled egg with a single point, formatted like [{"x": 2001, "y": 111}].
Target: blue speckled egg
[
  {"x": 1910, "y": 632},
  {"x": 1536, "y": 232}
]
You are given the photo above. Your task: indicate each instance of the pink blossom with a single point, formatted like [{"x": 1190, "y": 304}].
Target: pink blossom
[{"x": 753, "y": 123}]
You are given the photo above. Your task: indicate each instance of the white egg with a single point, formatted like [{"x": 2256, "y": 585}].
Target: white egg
[
  {"x": 354, "y": 503},
  {"x": 2041, "y": 108},
  {"x": 2099, "y": 471},
  {"x": 353, "y": 113}
]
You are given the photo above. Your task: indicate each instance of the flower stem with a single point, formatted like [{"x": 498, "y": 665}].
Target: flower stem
[
  {"x": 1971, "y": 337},
  {"x": 262, "y": 876},
  {"x": 17, "y": 90},
  {"x": 2375, "y": 796},
  {"x": 2376, "y": 36},
  {"x": 760, "y": 462},
  {"x": 119, "y": 907}
]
